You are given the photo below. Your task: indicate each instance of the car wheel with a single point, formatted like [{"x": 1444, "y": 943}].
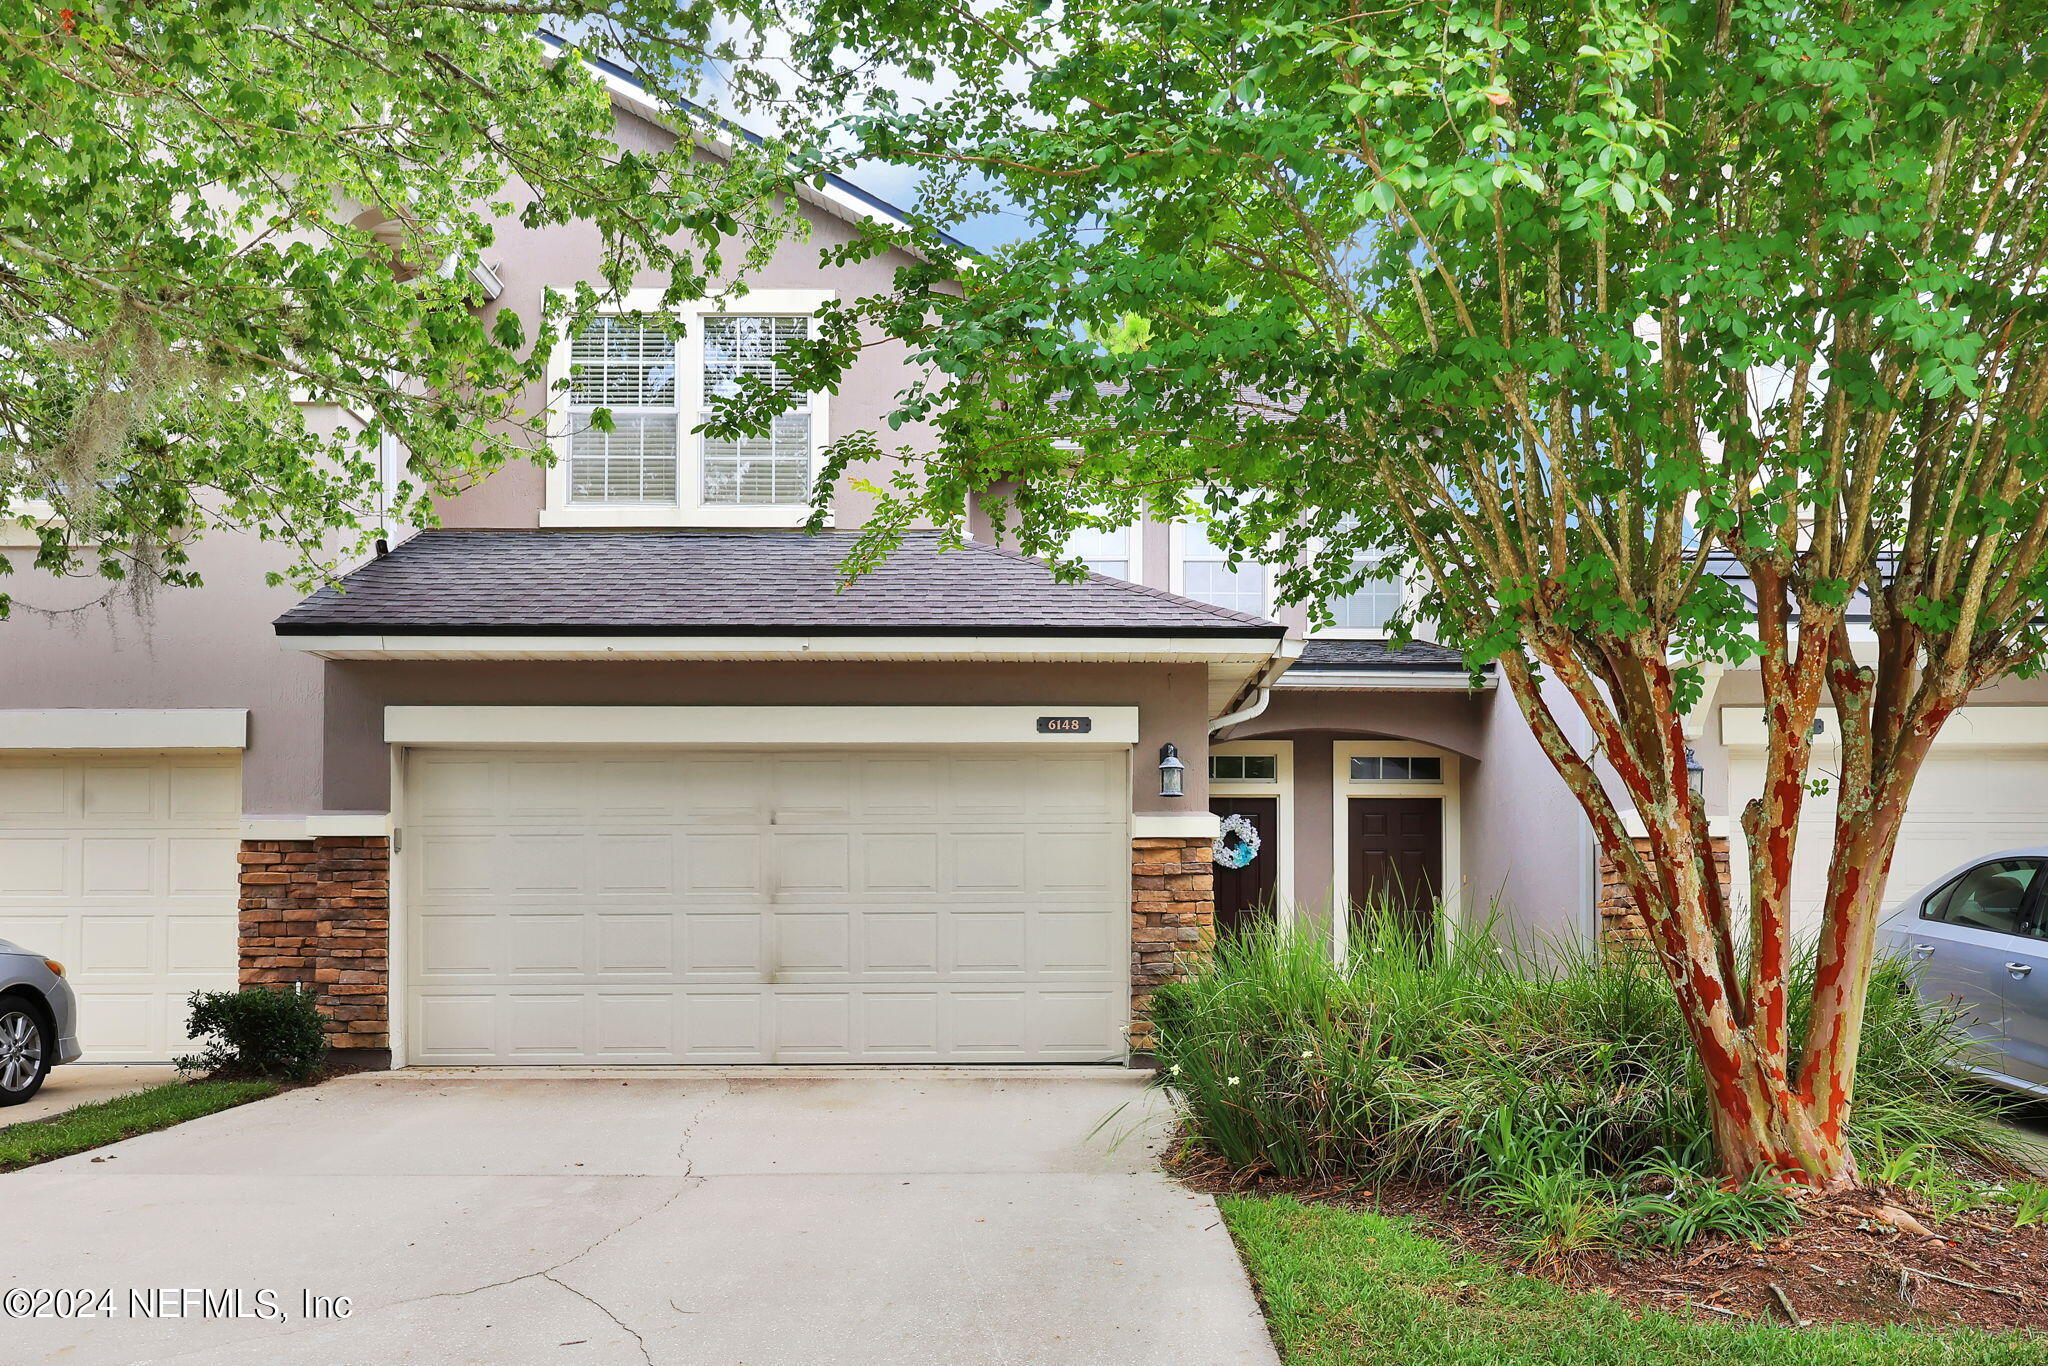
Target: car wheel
[{"x": 25, "y": 1052}]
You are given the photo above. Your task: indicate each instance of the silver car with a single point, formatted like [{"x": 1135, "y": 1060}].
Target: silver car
[
  {"x": 38, "y": 1021},
  {"x": 1979, "y": 937}
]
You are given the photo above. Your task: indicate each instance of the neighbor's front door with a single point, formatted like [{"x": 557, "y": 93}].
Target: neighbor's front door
[
  {"x": 1244, "y": 896},
  {"x": 1397, "y": 858}
]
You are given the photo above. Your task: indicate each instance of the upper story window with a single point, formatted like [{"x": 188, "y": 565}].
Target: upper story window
[
  {"x": 628, "y": 366},
  {"x": 1206, "y": 574},
  {"x": 1369, "y": 607},
  {"x": 772, "y": 469},
  {"x": 1109, "y": 553},
  {"x": 652, "y": 468}
]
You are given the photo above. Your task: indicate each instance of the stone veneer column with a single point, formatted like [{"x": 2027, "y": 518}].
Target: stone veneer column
[
  {"x": 1173, "y": 913},
  {"x": 1620, "y": 922},
  {"x": 317, "y": 913}
]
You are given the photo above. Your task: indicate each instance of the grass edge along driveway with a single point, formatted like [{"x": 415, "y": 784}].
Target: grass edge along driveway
[
  {"x": 1353, "y": 1288},
  {"x": 109, "y": 1121}
]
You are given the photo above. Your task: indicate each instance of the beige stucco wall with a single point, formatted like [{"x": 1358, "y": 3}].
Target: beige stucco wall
[
  {"x": 1171, "y": 702},
  {"x": 1525, "y": 845},
  {"x": 534, "y": 259}
]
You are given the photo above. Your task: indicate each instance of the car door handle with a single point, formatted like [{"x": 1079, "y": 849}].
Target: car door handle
[
  {"x": 2018, "y": 969},
  {"x": 1923, "y": 951}
]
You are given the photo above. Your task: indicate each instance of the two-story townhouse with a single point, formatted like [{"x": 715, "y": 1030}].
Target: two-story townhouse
[{"x": 608, "y": 768}]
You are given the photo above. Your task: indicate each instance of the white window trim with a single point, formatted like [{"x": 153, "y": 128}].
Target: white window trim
[
  {"x": 1178, "y": 581},
  {"x": 1343, "y": 789},
  {"x": 689, "y": 510},
  {"x": 1282, "y": 787}
]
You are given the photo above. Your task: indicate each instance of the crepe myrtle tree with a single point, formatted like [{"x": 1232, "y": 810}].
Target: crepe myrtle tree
[
  {"x": 1646, "y": 337},
  {"x": 237, "y": 240}
]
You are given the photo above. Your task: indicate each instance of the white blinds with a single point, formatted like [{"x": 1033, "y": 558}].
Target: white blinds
[
  {"x": 756, "y": 470},
  {"x": 627, "y": 365}
]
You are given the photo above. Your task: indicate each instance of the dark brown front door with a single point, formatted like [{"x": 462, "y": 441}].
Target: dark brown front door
[
  {"x": 1397, "y": 858},
  {"x": 1245, "y": 895}
]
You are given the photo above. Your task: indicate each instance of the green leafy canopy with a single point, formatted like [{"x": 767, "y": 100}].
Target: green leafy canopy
[
  {"x": 1552, "y": 304},
  {"x": 237, "y": 242}
]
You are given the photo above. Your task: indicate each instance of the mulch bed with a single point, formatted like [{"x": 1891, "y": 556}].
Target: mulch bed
[{"x": 1841, "y": 1263}]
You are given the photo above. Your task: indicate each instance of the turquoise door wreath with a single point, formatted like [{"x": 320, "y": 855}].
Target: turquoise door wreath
[{"x": 1237, "y": 843}]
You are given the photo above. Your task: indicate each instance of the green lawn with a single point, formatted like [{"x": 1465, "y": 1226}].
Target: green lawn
[
  {"x": 1350, "y": 1288},
  {"x": 110, "y": 1121}
]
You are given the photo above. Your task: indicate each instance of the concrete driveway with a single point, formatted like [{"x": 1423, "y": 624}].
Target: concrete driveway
[{"x": 733, "y": 1217}]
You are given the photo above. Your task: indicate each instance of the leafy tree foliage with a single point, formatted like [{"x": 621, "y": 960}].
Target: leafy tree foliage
[
  {"x": 237, "y": 240},
  {"x": 1649, "y": 336}
]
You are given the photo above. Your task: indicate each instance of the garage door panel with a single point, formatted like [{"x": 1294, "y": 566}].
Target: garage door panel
[
  {"x": 900, "y": 942},
  {"x": 33, "y": 789},
  {"x": 725, "y": 944},
  {"x": 125, "y": 869},
  {"x": 1967, "y": 803},
  {"x": 794, "y": 908}
]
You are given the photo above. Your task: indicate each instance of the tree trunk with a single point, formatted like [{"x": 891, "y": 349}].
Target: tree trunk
[{"x": 1762, "y": 1121}]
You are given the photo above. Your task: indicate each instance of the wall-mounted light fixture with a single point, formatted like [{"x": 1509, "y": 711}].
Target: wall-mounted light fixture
[
  {"x": 1695, "y": 773},
  {"x": 1171, "y": 771}
]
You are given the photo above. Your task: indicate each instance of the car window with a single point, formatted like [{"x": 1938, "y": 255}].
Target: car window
[{"x": 1991, "y": 896}]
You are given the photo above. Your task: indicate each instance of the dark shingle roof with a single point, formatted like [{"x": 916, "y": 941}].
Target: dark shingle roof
[
  {"x": 1417, "y": 657},
  {"x": 448, "y": 582}
]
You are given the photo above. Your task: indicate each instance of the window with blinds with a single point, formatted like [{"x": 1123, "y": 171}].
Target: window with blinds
[
  {"x": 626, "y": 365},
  {"x": 766, "y": 469}
]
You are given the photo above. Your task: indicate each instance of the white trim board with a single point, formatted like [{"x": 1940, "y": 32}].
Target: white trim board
[
  {"x": 119, "y": 728},
  {"x": 753, "y": 726},
  {"x": 1747, "y": 728},
  {"x": 1175, "y": 825},
  {"x": 1386, "y": 680},
  {"x": 343, "y": 823}
]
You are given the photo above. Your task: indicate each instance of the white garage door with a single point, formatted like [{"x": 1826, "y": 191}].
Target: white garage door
[
  {"x": 732, "y": 907},
  {"x": 124, "y": 868},
  {"x": 1969, "y": 801}
]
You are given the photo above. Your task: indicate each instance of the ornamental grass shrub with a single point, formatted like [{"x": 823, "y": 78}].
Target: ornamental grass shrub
[{"x": 1555, "y": 1085}]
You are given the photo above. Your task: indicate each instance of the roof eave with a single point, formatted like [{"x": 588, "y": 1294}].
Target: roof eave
[
  {"x": 991, "y": 644},
  {"x": 1299, "y": 678}
]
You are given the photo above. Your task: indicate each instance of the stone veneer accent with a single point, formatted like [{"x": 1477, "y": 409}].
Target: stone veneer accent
[
  {"x": 1620, "y": 923},
  {"x": 1173, "y": 913},
  {"x": 317, "y": 913}
]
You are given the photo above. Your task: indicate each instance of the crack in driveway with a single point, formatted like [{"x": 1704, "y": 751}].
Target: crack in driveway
[{"x": 624, "y": 1327}]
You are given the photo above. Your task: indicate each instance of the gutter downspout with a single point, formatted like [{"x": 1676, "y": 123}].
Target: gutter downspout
[{"x": 1283, "y": 655}]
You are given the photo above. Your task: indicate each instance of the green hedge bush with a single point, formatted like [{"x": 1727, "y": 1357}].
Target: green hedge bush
[{"x": 256, "y": 1032}]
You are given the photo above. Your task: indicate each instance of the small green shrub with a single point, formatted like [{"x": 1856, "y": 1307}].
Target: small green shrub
[
  {"x": 256, "y": 1032},
  {"x": 2028, "y": 1201},
  {"x": 1558, "y": 1089},
  {"x": 1920, "y": 1170}
]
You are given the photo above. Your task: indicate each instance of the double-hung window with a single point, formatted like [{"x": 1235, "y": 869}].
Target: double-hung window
[
  {"x": 1104, "y": 552},
  {"x": 627, "y": 366},
  {"x": 653, "y": 467},
  {"x": 1207, "y": 575},
  {"x": 1370, "y": 606},
  {"x": 773, "y": 469}
]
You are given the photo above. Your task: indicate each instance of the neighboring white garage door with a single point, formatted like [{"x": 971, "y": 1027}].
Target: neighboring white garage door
[
  {"x": 124, "y": 868},
  {"x": 929, "y": 905},
  {"x": 1969, "y": 801}
]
